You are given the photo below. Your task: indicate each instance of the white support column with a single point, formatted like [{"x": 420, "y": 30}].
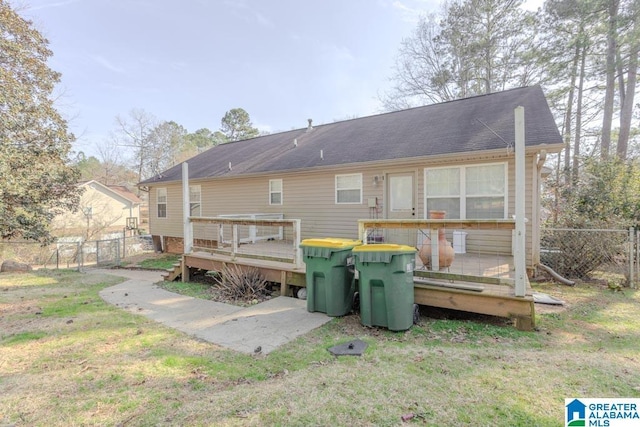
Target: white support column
[
  {"x": 519, "y": 249},
  {"x": 186, "y": 211}
]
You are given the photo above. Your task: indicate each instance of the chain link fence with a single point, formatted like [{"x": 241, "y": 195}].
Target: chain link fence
[
  {"x": 76, "y": 254},
  {"x": 588, "y": 254}
]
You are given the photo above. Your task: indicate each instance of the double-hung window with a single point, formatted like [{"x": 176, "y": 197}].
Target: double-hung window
[
  {"x": 275, "y": 191},
  {"x": 195, "y": 197},
  {"x": 161, "y": 202},
  {"x": 349, "y": 189},
  {"x": 468, "y": 192}
]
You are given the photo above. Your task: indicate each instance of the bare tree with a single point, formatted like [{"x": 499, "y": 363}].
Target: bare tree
[
  {"x": 135, "y": 132},
  {"x": 472, "y": 47},
  {"x": 111, "y": 162}
]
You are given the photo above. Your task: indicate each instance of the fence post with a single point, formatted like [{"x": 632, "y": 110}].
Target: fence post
[{"x": 79, "y": 255}]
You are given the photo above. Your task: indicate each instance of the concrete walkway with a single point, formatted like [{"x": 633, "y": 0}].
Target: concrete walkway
[{"x": 263, "y": 327}]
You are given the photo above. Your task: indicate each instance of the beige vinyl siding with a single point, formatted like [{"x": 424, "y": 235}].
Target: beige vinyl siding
[
  {"x": 310, "y": 196},
  {"x": 172, "y": 224}
]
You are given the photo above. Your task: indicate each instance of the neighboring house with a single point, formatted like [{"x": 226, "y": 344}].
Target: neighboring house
[
  {"x": 456, "y": 156},
  {"x": 103, "y": 209}
]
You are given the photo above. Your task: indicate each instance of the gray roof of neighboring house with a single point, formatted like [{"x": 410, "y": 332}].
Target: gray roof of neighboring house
[
  {"x": 126, "y": 193},
  {"x": 461, "y": 126}
]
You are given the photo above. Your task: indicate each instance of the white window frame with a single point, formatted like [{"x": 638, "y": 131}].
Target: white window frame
[
  {"x": 159, "y": 202},
  {"x": 279, "y": 191},
  {"x": 358, "y": 188},
  {"x": 463, "y": 188},
  {"x": 195, "y": 204}
]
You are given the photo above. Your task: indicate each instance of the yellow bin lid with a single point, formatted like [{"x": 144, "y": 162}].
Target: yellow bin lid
[
  {"x": 386, "y": 247},
  {"x": 333, "y": 243}
]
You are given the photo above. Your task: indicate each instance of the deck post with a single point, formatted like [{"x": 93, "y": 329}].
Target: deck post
[
  {"x": 187, "y": 226},
  {"x": 234, "y": 240},
  {"x": 362, "y": 232},
  {"x": 519, "y": 250},
  {"x": 220, "y": 235},
  {"x": 296, "y": 244},
  {"x": 186, "y": 211},
  {"x": 435, "y": 251}
]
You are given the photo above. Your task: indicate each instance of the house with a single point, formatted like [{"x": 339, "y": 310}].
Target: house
[
  {"x": 103, "y": 209},
  {"x": 455, "y": 156},
  {"x": 575, "y": 411}
]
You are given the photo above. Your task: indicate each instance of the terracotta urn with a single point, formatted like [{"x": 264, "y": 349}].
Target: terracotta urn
[{"x": 446, "y": 254}]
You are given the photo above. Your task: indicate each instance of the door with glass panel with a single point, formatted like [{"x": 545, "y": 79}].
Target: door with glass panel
[{"x": 401, "y": 205}]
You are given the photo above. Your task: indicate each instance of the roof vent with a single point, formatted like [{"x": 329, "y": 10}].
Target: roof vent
[
  {"x": 295, "y": 142},
  {"x": 321, "y": 154},
  {"x": 310, "y": 127},
  {"x": 229, "y": 165}
]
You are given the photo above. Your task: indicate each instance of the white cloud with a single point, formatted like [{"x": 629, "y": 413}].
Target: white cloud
[
  {"x": 331, "y": 52},
  {"x": 248, "y": 12},
  {"x": 104, "y": 62}
]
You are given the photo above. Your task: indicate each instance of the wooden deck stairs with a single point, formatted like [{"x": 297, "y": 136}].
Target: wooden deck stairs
[{"x": 173, "y": 273}]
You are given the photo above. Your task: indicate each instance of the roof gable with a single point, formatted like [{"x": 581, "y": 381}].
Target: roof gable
[
  {"x": 117, "y": 192},
  {"x": 463, "y": 126}
]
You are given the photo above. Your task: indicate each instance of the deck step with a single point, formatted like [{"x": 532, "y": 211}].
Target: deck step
[{"x": 173, "y": 273}]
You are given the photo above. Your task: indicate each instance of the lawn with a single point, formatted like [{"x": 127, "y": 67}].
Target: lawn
[{"x": 68, "y": 358}]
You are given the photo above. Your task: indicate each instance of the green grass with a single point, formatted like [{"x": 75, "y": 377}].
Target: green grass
[
  {"x": 110, "y": 367},
  {"x": 162, "y": 263},
  {"x": 192, "y": 289}
]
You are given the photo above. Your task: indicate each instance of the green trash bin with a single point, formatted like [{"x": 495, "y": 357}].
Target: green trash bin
[
  {"x": 386, "y": 285},
  {"x": 329, "y": 275}
]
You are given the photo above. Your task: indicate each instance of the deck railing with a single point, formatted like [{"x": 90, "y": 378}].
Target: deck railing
[
  {"x": 483, "y": 248},
  {"x": 249, "y": 237}
]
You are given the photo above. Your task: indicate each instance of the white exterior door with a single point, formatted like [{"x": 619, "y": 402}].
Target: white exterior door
[{"x": 401, "y": 204}]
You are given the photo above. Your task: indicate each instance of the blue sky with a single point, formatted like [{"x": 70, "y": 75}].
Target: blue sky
[{"x": 190, "y": 61}]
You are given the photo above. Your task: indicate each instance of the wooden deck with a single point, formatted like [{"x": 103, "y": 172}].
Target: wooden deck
[{"x": 481, "y": 284}]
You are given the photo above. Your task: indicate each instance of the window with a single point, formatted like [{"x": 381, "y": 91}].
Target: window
[
  {"x": 468, "y": 192},
  {"x": 349, "y": 189},
  {"x": 161, "y": 201},
  {"x": 275, "y": 191},
  {"x": 486, "y": 193},
  {"x": 195, "y": 196}
]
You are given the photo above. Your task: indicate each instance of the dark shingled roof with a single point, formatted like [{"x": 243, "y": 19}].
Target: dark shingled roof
[{"x": 461, "y": 126}]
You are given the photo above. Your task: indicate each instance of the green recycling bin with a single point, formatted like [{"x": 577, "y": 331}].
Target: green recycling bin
[
  {"x": 329, "y": 275},
  {"x": 386, "y": 285}
]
